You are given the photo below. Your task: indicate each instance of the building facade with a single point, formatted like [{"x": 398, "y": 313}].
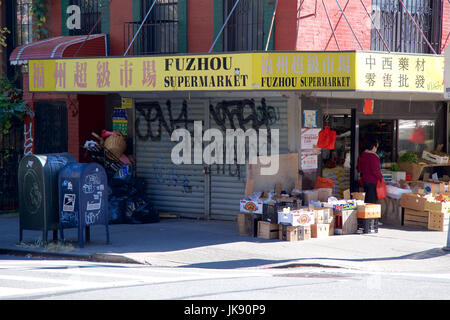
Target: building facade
[{"x": 199, "y": 27}]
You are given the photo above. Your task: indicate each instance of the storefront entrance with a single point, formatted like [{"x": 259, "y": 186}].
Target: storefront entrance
[{"x": 337, "y": 164}]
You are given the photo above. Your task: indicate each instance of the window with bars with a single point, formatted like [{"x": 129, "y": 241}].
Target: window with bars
[
  {"x": 24, "y": 24},
  {"x": 399, "y": 32},
  {"x": 159, "y": 33},
  {"x": 90, "y": 12},
  {"x": 244, "y": 30}
]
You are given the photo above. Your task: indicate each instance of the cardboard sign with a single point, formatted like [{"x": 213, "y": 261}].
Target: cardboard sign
[
  {"x": 251, "y": 206},
  {"x": 309, "y": 138}
]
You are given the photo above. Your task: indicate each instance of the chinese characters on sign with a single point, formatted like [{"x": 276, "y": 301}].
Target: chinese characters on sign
[
  {"x": 306, "y": 70},
  {"x": 399, "y": 72},
  {"x": 331, "y": 71}
]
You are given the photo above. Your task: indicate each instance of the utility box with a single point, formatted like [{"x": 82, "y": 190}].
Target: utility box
[
  {"x": 38, "y": 192},
  {"x": 83, "y": 198}
]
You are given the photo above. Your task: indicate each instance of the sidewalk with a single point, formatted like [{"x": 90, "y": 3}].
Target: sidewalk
[{"x": 216, "y": 244}]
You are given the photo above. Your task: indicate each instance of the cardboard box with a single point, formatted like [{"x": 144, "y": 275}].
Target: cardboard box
[
  {"x": 296, "y": 217},
  {"x": 413, "y": 201},
  {"x": 438, "y": 221},
  {"x": 359, "y": 195},
  {"x": 320, "y": 230},
  {"x": 434, "y": 158},
  {"x": 429, "y": 186},
  {"x": 398, "y": 175},
  {"x": 291, "y": 233},
  {"x": 267, "y": 230},
  {"x": 418, "y": 202},
  {"x": 416, "y": 218},
  {"x": 324, "y": 193},
  {"x": 310, "y": 195},
  {"x": 323, "y": 215},
  {"x": 414, "y": 169},
  {"x": 369, "y": 211},
  {"x": 251, "y": 206},
  {"x": 345, "y": 222}
]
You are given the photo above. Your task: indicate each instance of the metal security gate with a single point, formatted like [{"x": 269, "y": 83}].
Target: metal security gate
[
  {"x": 51, "y": 127},
  {"x": 172, "y": 188},
  {"x": 11, "y": 150},
  {"x": 227, "y": 184},
  {"x": 200, "y": 190}
]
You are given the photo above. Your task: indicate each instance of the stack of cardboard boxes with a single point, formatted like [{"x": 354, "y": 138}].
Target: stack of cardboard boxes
[
  {"x": 335, "y": 217},
  {"x": 427, "y": 211}
]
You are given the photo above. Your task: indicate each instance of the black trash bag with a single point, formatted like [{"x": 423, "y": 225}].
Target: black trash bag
[
  {"x": 116, "y": 206},
  {"x": 140, "y": 210}
]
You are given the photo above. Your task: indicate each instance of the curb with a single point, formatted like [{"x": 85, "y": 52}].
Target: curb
[{"x": 96, "y": 257}]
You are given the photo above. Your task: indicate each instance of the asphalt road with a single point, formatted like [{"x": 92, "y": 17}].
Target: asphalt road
[{"x": 39, "y": 279}]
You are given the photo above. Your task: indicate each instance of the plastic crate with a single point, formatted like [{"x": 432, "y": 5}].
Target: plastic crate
[{"x": 367, "y": 225}]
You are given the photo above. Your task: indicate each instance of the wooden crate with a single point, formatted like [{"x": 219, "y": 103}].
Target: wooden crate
[
  {"x": 320, "y": 230},
  {"x": 414, "y": 218},
  {"x": 369, "y": 211},
  {"x": 291, "y": 233},
  {"x": 247, "y": 224},
  {"x": 438, "y": 221},
  {"x": 267, "y": 230}
]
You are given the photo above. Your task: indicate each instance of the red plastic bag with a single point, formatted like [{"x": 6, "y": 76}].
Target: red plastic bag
[
  {"x": 381, "y": 189},
  {"x": 419, "y": 136},
  {"x": 323, "y": 183},
  {"x": 326, "y": 138}
]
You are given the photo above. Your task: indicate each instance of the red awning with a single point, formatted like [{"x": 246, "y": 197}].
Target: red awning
[{"x": 93, "y": 45}]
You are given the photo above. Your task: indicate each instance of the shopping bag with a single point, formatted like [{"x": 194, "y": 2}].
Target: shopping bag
[
  {"x": 419, "y": 136},
  {"x": 323, "y": 183},
  {"x": 326, "y": 138},
  {"x": 381, "y": 189}
]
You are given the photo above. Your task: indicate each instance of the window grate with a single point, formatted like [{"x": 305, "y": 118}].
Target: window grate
[
  {"x": 245, "y": 28},
  {"x": 399, "y": 32},
  {"x": 90, "y": 12},
  {"x": 159, "y": 34},
  {"x": 24, "y": 23}
]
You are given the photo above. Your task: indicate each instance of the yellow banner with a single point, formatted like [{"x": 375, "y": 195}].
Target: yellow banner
[
  {"x": 304, "y": 71},
  {"x": 171, "y": 73},
  {"x": 330, "y": 71},
  {"x": 377, "y": 71}
]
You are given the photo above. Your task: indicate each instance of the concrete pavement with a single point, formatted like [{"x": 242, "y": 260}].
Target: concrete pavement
[{"x": 216, "y": 244}]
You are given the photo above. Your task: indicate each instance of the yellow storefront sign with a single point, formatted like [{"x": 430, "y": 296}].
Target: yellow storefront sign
[
  {"x": 330, "y": 71},
  {"x": 304, "y": 71},
  {"x": 377, "y": 71},
  {"x": 171, "y": 73}
]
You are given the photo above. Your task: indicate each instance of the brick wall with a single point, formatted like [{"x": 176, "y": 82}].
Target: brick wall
[
  {"x": 120, "y": 12},
  {"x": 72, "y": 114},
  {"x": 306, "y": 27},
  {"x": 200, "y": 25},
  {"x": 445, "y": 25}
]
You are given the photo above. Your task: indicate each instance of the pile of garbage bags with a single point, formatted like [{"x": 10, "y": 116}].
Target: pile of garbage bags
[{"x": 128, "y": 203}]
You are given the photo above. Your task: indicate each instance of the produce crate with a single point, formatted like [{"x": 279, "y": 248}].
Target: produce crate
[
  {"x": 320, "y": 230},
  {"x": 434, "y": 158},
  {"x": 247, "y": 224},
  {"x": 367, "y": 225},
  {"x": 267, "y": 230},
  {"x": 438, "y": 221},
  {"x": 369, "y": 211},
  {"x": 291, "y": 233},
  {"x": 415, "y": 218}
]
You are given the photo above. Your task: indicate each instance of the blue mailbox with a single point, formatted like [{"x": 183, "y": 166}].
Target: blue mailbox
[{"x": 83, "y": 198}]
